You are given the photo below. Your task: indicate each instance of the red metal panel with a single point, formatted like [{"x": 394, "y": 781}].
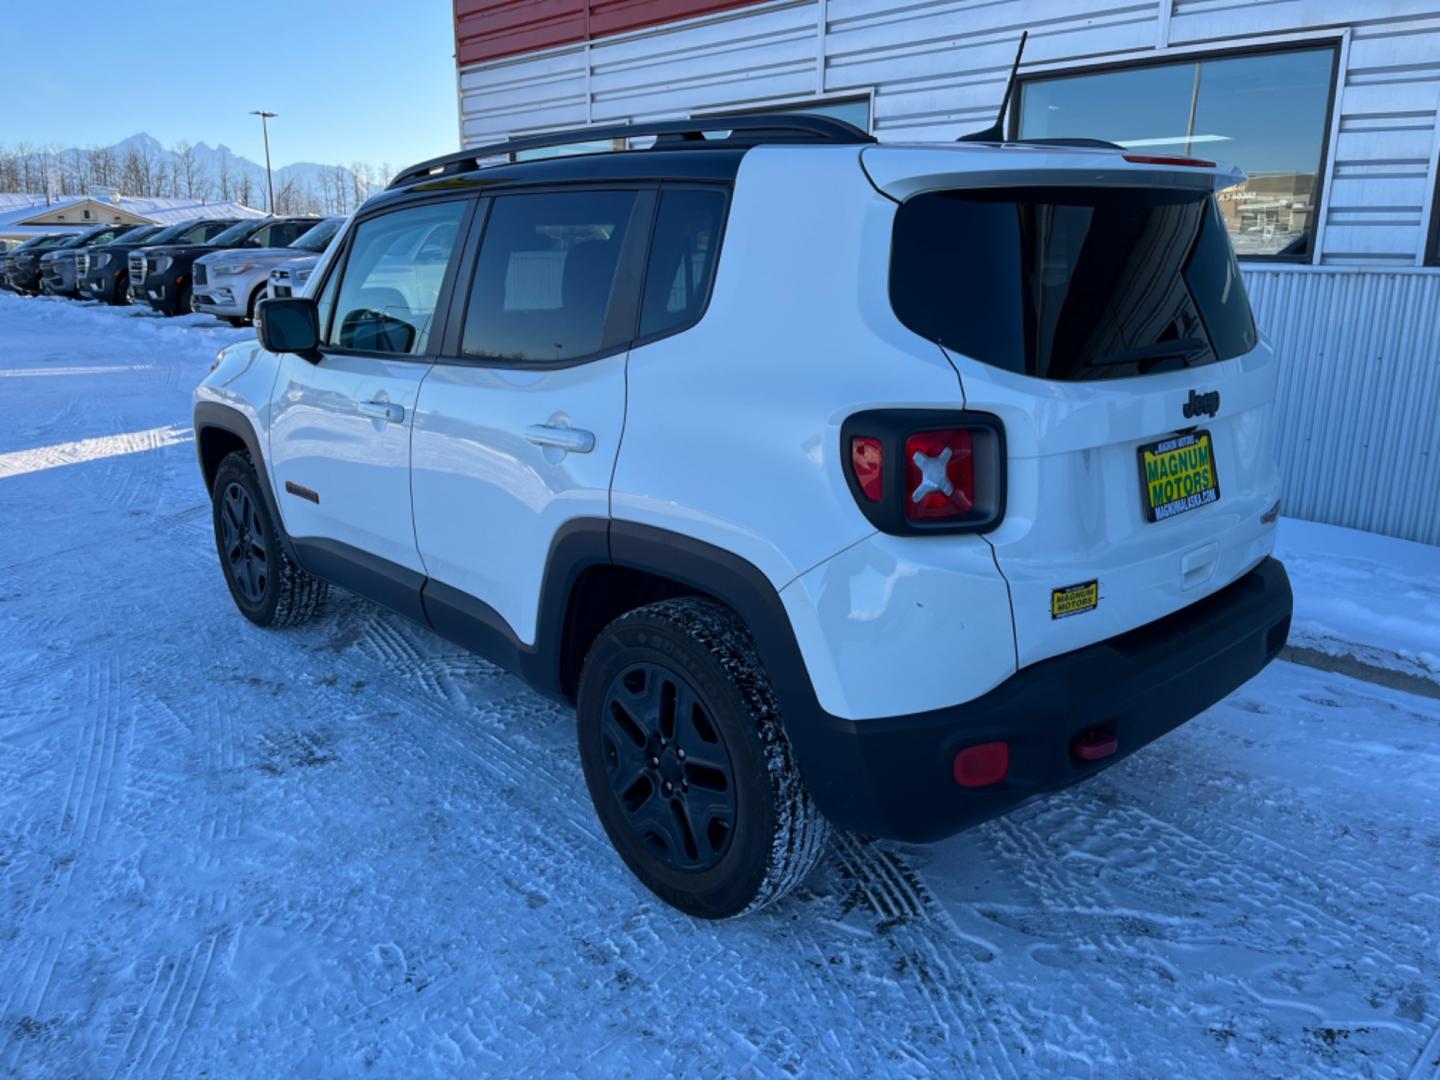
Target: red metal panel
[
  {"x": 489, "y": 29},
  {"x": 617, "y": 16}
]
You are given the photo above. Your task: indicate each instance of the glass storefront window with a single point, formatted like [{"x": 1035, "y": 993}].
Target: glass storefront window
[{"x": 1265, "y": 112}]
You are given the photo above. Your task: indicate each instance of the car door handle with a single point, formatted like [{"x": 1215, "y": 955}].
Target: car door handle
[
  {"x": 575, "y": 440},
  {"x": 383, "y": 410}
]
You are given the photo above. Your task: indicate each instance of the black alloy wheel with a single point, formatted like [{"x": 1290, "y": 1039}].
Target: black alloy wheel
[
  {"x": 242, "y": 535},
  {"x": 668, "y": 767}
]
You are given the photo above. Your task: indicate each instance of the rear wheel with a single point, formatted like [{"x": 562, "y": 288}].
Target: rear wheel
[
  {"x": 268, "y": 587},
  {"x": 689, "y": 768}
]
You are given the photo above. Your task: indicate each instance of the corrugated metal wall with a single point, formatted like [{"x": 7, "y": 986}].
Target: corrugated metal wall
[
  {"x": 1359, "y": 400},
  {"x": 1360, "y": 394},
  {"x": 937, "y": 68}
]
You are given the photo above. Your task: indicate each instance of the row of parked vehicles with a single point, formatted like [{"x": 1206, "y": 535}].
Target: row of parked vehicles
[{"x": 221, "y": 266}]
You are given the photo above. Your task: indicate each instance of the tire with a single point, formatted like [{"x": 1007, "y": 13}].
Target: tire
[
  {"x": 182, "y": 302},
  {"x": 120, "y": 297},
  {"x": 736, "y": 828},
  {"x": 268, "y": 587},
  {"x": 235, "y": 321},
  {"x": 255, "y": 298}
]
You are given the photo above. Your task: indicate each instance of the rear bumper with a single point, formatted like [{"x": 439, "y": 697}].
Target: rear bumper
[{"x": 893, "y": 777}]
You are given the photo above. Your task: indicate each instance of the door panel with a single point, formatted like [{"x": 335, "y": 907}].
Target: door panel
[
  {"x": 491, "y": 491},
  {"x": 329, "y": 436},
  {"x": 340, "y": 428},
  {"x": 521, "y": 436}
]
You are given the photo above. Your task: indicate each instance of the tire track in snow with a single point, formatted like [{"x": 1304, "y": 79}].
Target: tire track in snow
[
  {"x": 160, "y": 1027},
  {"x": 26, "y": 1001},
  {"x": 934, "y": 962}
]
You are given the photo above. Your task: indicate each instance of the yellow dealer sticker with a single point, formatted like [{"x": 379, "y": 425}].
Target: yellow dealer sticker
[{"x": 1074, "y": 599}]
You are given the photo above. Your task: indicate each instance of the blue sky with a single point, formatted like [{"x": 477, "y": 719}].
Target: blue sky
[{"x": 366, "y": 80}]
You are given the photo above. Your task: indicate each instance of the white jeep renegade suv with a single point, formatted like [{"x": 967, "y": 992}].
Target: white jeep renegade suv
[{"x": 885, "y": 486}]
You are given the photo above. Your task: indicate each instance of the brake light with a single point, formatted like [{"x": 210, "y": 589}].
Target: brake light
[
  {"x": 1167, "y": 159},
  {"x": 926, "y": 470},
  {"x": 939, "y": 475},
  {"x": 867, "y": 458}
]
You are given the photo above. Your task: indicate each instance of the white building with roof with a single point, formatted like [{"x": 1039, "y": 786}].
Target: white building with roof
[{"x": 23, "y": 217}]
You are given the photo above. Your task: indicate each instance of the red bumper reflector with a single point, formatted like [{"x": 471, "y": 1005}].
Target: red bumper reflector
[
  {"x": 1093, "y": 745},
  {"x": 983, "y": 765}
]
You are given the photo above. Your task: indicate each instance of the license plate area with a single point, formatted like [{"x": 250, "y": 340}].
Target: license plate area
[{"x": 1177, "y": 474}]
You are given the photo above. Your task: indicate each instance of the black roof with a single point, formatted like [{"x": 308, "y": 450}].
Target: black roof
[{"x": 708, "y": 148}]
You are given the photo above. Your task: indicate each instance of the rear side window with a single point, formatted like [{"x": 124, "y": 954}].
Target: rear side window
[
  {"x": 545, "y": 285},
  {"x": 1071, "y": 283},
  {"x": 280, "y": 234},
  {"x": 683, "y": 251},
  {"x": 392, "y": 279}
]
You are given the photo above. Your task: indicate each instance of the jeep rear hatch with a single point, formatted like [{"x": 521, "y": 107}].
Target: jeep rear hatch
[{"x": 1096, "y": 308}]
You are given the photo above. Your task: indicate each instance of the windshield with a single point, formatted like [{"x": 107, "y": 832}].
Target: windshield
[
  {"x": 236, "y": 233},
  {"x": 318, "y": 238},
  {"x": 1071, "y": 283}
]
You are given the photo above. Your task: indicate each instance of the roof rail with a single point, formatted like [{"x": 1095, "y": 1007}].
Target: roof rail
[{"x": 744, "y": 129}]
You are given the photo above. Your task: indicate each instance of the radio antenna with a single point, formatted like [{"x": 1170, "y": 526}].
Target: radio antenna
[{"x": 996, "y": 131}]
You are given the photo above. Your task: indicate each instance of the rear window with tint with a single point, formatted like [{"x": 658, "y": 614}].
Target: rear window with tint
[{"x": 1071, "y": 283}]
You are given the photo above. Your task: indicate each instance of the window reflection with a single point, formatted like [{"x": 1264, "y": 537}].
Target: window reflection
[{"x": 1264, "y": 112}]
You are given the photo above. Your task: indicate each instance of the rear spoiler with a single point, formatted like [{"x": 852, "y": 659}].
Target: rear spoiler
[{"x": 901, "y": 171}]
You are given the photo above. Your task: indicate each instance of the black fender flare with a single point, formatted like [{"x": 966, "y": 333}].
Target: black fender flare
[{"x": 211, "y": 415}]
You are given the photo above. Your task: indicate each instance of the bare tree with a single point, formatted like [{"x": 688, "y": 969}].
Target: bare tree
[
  {"x": 187, "y": 168},
  {"x": 223, "y": 175},
  {"x": 104, "y": 170},
  {"x": 242, "y": 191}
]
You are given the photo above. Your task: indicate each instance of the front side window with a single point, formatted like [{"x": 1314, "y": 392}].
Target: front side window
[
  {"x": 1265, "y": 112},
  {"x": 391, "y": 282},
  {"x": 236, "y": 233},
  {"x": 545, "y": 285},
  {"x": 1071, "y": 283},
  {"x": 279, "y": 234},
  {"x": 683, "y": 251},
  {"x": 318, "y": 238}
]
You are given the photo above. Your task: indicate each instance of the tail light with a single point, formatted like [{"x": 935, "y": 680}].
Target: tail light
[{"x": 913, "y": 470}]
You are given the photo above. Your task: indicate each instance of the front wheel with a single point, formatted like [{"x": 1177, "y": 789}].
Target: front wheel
[
  {"x": 690, "y": 771},
  {"x": 268, "y": 587}
]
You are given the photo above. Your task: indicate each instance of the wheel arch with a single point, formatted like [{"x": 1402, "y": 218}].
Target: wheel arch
[
  {"x": 221, "y": 430},
  {"x": 646, "y": 564}
]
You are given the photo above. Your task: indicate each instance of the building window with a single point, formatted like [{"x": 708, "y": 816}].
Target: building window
[
  {"x": 1267, "y": 112},
  {"x": 87, "y": 215},
  {"x": 852, "y": 110}
]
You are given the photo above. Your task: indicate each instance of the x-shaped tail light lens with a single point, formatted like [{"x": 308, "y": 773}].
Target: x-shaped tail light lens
[{"x": 939, "y": 475}]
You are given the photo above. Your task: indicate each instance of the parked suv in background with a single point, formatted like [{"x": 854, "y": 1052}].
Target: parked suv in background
[
  {"x": 167, "y": 284},
  {"x": 59, "y": 274},
  {"x": 7, "y": 261},
  {"x": 86, "y": 256},
  {"x": 230, "y": 283},
  {"x": 113, "y": 279},
  {"x": 23, "y": 265},
  {"x": 888, "y": 485}
]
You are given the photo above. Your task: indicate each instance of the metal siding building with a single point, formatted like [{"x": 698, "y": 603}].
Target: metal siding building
[{"x": 1355, "y": 320}]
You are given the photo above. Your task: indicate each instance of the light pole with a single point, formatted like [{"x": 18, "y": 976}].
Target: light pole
[{"x": 265, "y": 118}]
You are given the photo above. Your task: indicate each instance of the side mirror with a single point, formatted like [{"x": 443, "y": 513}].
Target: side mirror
[{"x": 289, "y": 325}]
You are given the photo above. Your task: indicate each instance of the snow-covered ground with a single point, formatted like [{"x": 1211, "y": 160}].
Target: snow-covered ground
[{"x": 352, "y": 848}]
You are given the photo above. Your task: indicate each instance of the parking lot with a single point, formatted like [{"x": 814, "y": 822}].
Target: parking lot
[{"x": 352, "y": 847}]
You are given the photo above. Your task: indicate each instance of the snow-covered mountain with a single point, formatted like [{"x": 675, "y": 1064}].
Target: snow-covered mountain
[{"x": 215, "y": 162}]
